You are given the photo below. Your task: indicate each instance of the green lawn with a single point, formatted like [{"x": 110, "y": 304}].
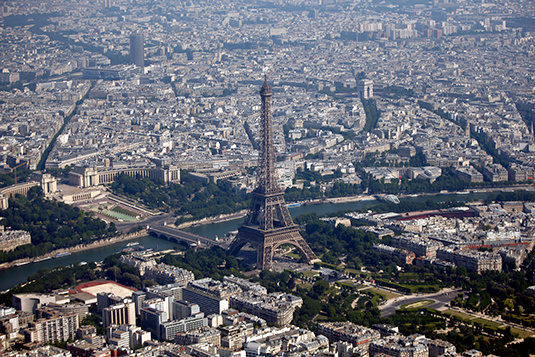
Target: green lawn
[
  {"x": 461, "y": 315},
  {"x": 411, "y": 289},
  {"x": 387, "y": 294},
  {"x": 310, "y": 273},
  {"x": 487, "y": 322},
  {"x": 359, "y": 286},
  {"x": 353, "y": 271},
  {"x": 353, "y": 286},
  {"x": 348, "y": 283},
  {"x": 117, "y": 215},
  {"x": 521, "y": 333},
  {"x": 358, "y": 273},
  {"x": 124, "y": 211},
  {"x": 305, "y": 286},
  {"x": 492, "y": 324},
  {"x": 293, "y": 255},
  {"x": 408, "y": 276},
  {"x": 417, "y": 304}
]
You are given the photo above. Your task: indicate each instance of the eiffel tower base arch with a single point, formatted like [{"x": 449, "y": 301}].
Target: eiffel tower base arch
[{"x": 266, "y": 242}]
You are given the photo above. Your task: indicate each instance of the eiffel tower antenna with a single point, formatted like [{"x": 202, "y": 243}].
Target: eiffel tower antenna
[{"x": 269, "y": 224}]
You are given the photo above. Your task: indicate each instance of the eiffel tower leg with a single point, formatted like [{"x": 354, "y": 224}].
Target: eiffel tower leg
[
  {"x": 304, "y": 248},
  {"x": 264, "y": 256},
  {"x": 236, "y": 245}
]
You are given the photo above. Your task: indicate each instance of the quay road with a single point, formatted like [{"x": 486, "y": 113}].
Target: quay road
[{"x": 148, "y": 221}]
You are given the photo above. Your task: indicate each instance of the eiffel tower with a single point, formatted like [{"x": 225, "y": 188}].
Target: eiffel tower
[{"x": 268, "y": 224}]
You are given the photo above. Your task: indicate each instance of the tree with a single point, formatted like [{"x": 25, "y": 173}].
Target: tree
[
  {"x": 35, "y": 192},
  {"x": 96, "y": 321},
  {"x": 111, "y": 228},
  {"x": 320, "y": 287}
]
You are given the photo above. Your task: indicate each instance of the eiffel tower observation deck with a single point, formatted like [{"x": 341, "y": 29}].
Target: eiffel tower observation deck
[{"x": 269, "y": 224}]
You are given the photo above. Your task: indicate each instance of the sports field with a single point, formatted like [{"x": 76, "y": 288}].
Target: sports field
[{"x": 106, "y": 287}]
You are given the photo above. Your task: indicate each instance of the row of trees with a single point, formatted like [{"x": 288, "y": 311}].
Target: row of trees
[
  {"x": 448, "y": 181},
  {"x": 372, "y": 114},
  {"x": 9, "y": 179},
  {"x": 113, "y": 269},
  {"x": 48, "y": 279},
  {"x": 214, "y": 263}
]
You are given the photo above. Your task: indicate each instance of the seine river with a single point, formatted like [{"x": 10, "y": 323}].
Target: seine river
[{"x": 17, "y": 275}]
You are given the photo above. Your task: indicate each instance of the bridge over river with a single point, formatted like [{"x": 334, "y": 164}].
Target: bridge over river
[{"x": 173, "y": 234}]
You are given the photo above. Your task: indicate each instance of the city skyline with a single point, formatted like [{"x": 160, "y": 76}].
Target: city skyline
[{"x": 122, "y": 119}]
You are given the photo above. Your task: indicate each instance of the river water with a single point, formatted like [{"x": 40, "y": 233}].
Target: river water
[
  {"x": 220, "y": 229},
  {"x": 17, "y": 275}
]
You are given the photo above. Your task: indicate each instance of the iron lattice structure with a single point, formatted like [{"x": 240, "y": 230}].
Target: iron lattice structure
[{"x": 269, "y": 224}]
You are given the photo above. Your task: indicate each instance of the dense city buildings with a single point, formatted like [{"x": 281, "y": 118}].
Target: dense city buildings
[
  {"x": 471, "y": 260},
  {"x": 453, "y": 237},
  {"x": 401, "y": 346},
  {"x": 10, "y": 240},
  {"x": 195, "y": 100},
  {"x": 31, "y": 302},
  {"x": 369, "y": 95},
  {"x": 165, "y": 274},
  {"x": 168, "y": 330},
  {"x": 348, "y": 332},
  {"x": 275, "y": 308},
  {"x": 404, "y": 255},
  {"x": 82, "y": 348},
  {"x": 211, "y": 296},
  {"x": 230, "y": 332},
  {"x": 51, "y": 309},
  {"x": 55, "y": 328},
  {"x": 204, "y": 335},
  {"x": 123, "y": 313}
]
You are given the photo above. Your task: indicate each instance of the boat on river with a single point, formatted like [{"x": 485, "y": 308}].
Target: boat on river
[
  {"x": 22, "y": 263},
  {"x": 42, "y": 259},
  {"x": 60, "y": 255}
]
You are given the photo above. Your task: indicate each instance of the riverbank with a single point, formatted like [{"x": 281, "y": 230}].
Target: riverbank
[
  {"x": 347, "y": 199},
  {"x": 78, "y": 248},
  {"x": 351, "y": 199},
  {"x": 234, "y": 216},
  {"x": 210, "y": 220},
  {"x": 404, "y": 195}
]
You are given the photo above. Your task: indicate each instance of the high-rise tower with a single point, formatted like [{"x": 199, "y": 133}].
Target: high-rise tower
[
  {"x": 136, "y": 49},
  {"x": 269, "y": 224}
]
